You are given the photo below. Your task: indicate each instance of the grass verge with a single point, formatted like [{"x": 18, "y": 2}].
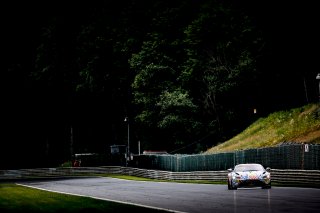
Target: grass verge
[{"x": 127, "y": 177}]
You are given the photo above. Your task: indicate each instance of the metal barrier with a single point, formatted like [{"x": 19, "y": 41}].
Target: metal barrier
[{"x": 308, "y": 178}]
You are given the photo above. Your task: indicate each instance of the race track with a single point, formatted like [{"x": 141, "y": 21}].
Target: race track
[{"x": 181, "y": 197}]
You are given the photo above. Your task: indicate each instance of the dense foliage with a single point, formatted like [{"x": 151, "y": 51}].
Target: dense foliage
[{"x": 188, "y": 74}]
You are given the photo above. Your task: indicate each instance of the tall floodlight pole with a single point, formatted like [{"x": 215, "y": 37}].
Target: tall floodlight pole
[
  {"x": 318, "y": 78},
  {"x": 128, "y": 146}
]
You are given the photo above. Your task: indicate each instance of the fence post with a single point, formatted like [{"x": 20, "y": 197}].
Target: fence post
[{"x": 177, "y": 164}]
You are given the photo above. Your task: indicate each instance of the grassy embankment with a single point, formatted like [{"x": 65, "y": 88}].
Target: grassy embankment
[{"x": 298, "y": 125}]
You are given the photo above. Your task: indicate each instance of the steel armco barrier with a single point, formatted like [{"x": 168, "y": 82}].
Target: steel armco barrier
[{"x": 308, "y": 178}]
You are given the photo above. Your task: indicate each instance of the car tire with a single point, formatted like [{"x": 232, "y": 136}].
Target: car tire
[
  {"x": 230, "y": 187},
  {"x": 268, "y": 186}
]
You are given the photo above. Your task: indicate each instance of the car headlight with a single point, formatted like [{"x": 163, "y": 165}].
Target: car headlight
[
  {"x": 266, "y": 175},
  {"x": 236, "y": 176}
]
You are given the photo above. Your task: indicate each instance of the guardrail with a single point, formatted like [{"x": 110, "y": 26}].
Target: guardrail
[{"x": 308, "y": 178}]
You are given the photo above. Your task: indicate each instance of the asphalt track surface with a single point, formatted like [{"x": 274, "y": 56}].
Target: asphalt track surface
[{"x": 184, "y": 197}]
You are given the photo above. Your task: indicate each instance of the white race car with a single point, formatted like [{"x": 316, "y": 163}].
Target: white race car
[{"x": 249, "y": 175}]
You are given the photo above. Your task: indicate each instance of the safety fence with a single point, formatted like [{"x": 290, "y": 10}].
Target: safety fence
[
  {"x": 308, "y": 178},
  {"x": 299, "y": 156}
]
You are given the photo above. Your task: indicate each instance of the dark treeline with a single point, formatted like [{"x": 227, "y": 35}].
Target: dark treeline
[{"x": 188, "y": 74}]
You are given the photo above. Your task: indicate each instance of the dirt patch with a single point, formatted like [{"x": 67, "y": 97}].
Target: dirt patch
[
  {"x": 309, "y": 111},
  {"x": 311, "y": 137}
]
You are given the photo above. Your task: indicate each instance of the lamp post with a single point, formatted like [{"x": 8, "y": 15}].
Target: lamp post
[
  {"x": 126, "y": 119},
  {"x": 318, "y": 78}
]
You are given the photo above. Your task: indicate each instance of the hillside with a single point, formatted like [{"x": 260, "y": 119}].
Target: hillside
[{"x": 298, "y": 125}]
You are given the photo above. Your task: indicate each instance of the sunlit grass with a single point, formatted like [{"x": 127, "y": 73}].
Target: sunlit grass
[
  {"x": 126, "y": 177},
  {"x": 135, "y": 178},
  {"x": 298, "y": 125}
]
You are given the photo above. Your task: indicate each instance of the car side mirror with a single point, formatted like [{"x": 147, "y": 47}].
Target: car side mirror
[
  {"x": 268, "y": 169},
  {"x": 230, "y": 170}
]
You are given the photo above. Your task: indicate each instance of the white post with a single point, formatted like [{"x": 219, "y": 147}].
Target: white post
[{"x": 318, "y": 78}]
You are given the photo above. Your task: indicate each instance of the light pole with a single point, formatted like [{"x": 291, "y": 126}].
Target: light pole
[
  {"x": 318, "y": 78},
  {"x": 126, "y": 119}
]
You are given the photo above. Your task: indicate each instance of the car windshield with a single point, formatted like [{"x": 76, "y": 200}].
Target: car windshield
[{"x": 248, "y": 167}]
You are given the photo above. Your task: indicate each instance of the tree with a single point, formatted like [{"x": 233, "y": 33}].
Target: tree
[{"x": 222, "y": 46}]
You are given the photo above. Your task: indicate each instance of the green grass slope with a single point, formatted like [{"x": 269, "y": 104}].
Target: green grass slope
[{"x": 298, "y": 125}]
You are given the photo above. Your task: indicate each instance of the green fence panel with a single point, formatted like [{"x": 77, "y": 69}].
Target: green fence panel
[{"x": 298, "y": 156}]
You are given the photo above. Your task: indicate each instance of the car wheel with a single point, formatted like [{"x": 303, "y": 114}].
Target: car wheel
[
  {"x": 232, "y": 187},
  {"x": 229, "y": 185},
  {"x": 268, "y": 186}
]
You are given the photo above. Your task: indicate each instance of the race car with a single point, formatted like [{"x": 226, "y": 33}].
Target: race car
[{"x": 249, "y": 175}]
